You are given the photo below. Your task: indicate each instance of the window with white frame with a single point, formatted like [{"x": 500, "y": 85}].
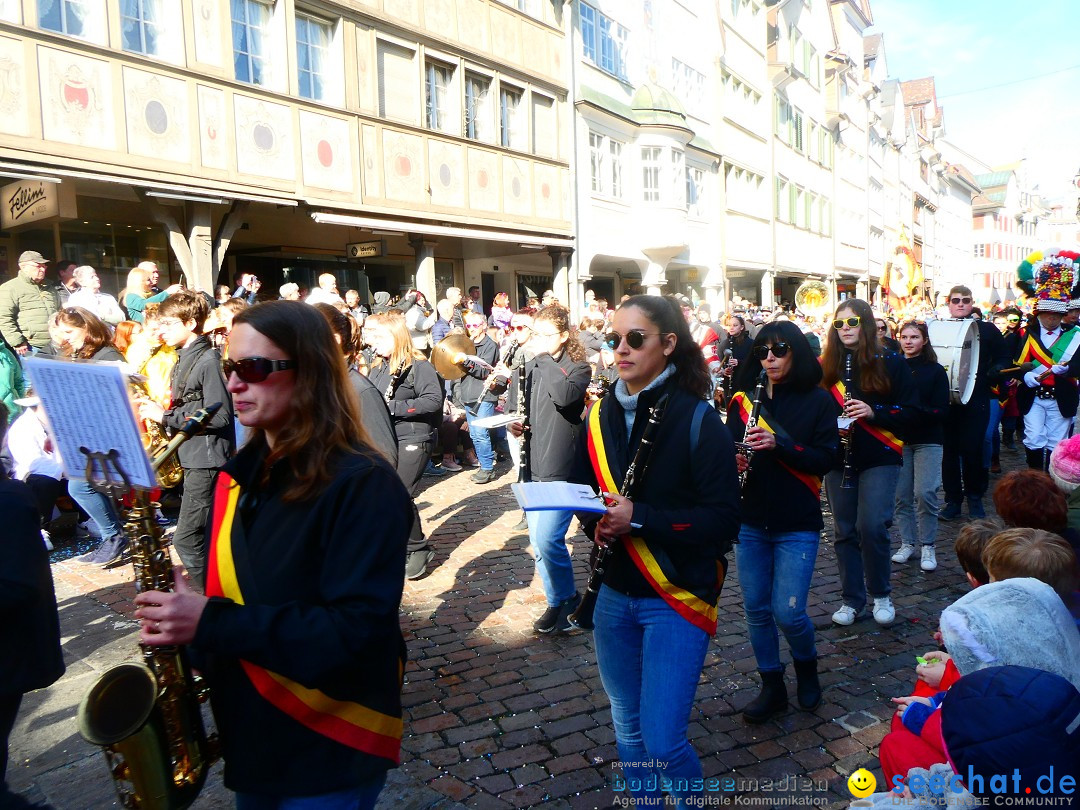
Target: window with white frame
[
  {"x": 141, "y": 26},
  {"x": 250, "y": 28},
  {"x": 695, "y": 190},
  {"x": 615, "y": 164},
  {"x": 596, "y": 161},
  {"x": 814, "y": 212},
  {"x": 650, "y": 173},
  {"x": 603, "y": 40},
  {"x": 812, "y": 142},
  {"x": 478, "y": 112},
  {"x": 801, "y": 214},
  {"x": 438, "y": 83},
  {"x": 511, "y": 117},
  {"x": 687, "y": 83},
  {"x": 797, "y": 132},
  {"x": 826, "y": 217},
  {"x": 783, "y": 200},
  {"x": 76, "y": 18},
  {"x": 783, "y": 119},
  {"x": 545, "y": 135},
  {"x": 980, "y": 250},
  {"x": 313, "y": 41},
  {"x": 398, "y": 89},
  {"x": 677, "y": 178}
]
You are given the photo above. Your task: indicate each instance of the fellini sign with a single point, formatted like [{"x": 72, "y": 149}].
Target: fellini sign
[{"x": 34, "y": 202}]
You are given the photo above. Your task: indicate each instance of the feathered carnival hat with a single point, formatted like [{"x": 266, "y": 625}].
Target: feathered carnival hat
[{"x": 1049, "y": 277}]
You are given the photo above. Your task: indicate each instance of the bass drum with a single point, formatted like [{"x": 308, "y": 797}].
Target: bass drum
[{"x": 957, "y": 345}]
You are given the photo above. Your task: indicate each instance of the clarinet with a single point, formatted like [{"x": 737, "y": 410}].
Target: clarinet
[
  {"x": 742, "y": 446},
  {"x": 523, "y": 410},
  {"x": 725, "y": 379},
  {"x": 848, "y": 439},
  {"x": 491, "y": 380},
  {"x": 395, "y": 380},
  {"x": 582, "y": 618}
]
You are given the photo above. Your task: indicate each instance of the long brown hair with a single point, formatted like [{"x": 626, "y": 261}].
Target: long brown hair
[
  {"x": 324, "y": 414},
  {"x": 665, "y": 313},
  {"x": 873, "y": 378},
  {"x": 97, "y": 332},
  {"x": 559, "y": 316},
  {"x": 403, "y": 353}
]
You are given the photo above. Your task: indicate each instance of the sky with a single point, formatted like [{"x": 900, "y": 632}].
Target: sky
[{"x": 1002, "y": 73}]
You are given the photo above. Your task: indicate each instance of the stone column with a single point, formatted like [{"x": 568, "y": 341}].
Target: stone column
[
  {"x": 561, "y": 283},
  {"x": 425, "y": 265}
]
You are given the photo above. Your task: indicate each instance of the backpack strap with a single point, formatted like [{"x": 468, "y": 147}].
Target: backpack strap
[{"x": 695, "y": 424}]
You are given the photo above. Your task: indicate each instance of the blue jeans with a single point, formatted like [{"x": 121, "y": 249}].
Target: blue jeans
[
  {"x": 481, "y": 437},
  {"x": 918, "y": 485},
  {"x": 991, "y": 431},
  {"x": 650, "y": 659},
  {"x": 775, "y": 569},
  {"x": 99, "y": 507},
  {"x": 862, "y": 516},
  {"x": 547, "y": 536},
  {"x": 358, "y": 798}
]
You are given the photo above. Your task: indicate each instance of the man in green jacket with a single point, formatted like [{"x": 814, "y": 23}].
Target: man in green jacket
[{"x": 26, "y": 302}]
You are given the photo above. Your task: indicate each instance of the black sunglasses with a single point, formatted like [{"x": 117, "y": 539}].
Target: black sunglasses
[
  {"x": 964, "y": 300},
  {"x": 778, "y": 350},
  {"x": 254, "y": 369},
  {"x": 839, "y": 322},
  {"x": 635, "y": 339}
]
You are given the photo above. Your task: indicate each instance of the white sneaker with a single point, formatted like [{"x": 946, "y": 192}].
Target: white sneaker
[
  {"x": 48, "y": 540},
  {"x": 884, "y": 612},
  {"x": 929, "y": 558},
  {"x": 904, "y": 553},
  {"x": 845, "y": 615}
]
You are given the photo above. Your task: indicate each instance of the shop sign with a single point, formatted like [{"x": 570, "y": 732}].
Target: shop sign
[
  {"x": 736, "y": 274},
  {"x": 33, "y": 201},
  {"x": 364, "y": 250}
]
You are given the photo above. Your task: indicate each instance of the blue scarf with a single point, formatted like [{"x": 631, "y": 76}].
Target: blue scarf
[{"x": 629, "y": 401}]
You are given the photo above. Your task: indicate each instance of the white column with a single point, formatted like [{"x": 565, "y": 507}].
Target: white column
[
  {"x": 425, "y": 266},
  {"x": 768, "y": 279}
]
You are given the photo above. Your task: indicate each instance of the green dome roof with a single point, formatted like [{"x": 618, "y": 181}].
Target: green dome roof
[{"x": 655, "y": 105}]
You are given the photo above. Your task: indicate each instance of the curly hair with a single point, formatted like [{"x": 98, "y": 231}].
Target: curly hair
[
  {"x": 559, "y": 317},
  {"x": 666, "y": 314},
  {"x": 873, "y": 378}
]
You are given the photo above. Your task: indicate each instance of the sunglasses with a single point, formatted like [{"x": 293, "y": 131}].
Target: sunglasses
[
  {"x": 635, "y": 339},
  {"x": 778, "y": 350},
  {"x": 521, "y": 328},
  {"x": 839, "y": 322},
  {"x": 960, "y": 300},
  {"x": 254, "y": 369},
  {"x": 1013, "y": 320},
  {"x": 882, "y": 327}
]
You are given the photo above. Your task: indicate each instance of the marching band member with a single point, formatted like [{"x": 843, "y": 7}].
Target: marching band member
[
  {"x": 412, "y": 390},
  {"x": 920, "y": 475},
  {"x": 555, "y": 381},
  {"x": 881, "y": 397},
  {"x": 1048, "y": 396},
  {"x": 794, "y": 443},
  {"x": 478, "y": 398},
  {"x": 657, "y": 606},
  {"x": 298, "y": 633}
]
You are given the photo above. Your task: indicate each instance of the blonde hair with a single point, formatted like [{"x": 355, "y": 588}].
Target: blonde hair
[
  {"x": 138, "y": 279},
  {"x": 403, "y": 354}
]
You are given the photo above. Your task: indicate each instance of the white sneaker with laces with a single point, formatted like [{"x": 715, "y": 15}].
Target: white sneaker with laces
[
  {"x": 904, "y": 553},
  {"x": 884, "y": 612},
  {"x": 929, "y": 558},
  {"x": 48, "y": 540},
  {"x": 845, "y": 615}
]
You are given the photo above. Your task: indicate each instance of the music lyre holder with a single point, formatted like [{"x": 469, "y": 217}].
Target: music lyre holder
[{"x": 113, "y": 481}]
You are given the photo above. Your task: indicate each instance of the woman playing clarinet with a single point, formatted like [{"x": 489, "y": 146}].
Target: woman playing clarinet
[
  {"x": 794, "y": 444},
  {"x": 876, "y": 391},
  {"x": 656, "y": 609}
]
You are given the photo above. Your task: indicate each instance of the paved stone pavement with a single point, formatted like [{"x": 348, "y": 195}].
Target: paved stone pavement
[{"x": 497, "y": 717}]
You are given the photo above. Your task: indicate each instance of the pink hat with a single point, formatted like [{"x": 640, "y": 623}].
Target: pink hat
[{"x": 1065, "y": 464}]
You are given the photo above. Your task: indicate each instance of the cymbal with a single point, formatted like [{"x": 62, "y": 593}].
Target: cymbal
[{"x": 445, "y": 350}]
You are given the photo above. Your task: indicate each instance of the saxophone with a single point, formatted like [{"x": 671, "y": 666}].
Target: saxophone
[
  {"x": 170, "y": 473},
  {"x": 147, "y": 715}
]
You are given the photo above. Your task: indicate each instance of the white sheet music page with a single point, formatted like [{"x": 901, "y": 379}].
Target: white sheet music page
[
  {"x": 557, "y": 495},
  {"x": 88, "y": 406}
]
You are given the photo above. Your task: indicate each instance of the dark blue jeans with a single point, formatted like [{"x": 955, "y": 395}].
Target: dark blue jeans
[
  {"x": 650, "y": 659},
  {"x": 362, "y": 797},
  {"x": 862, "y": 516},
  {"x": 775, "y": 569}
]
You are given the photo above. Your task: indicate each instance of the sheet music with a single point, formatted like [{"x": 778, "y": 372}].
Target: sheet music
[
  {"x": 88, "y": 406},
  {"x": 557, "y": 495}
]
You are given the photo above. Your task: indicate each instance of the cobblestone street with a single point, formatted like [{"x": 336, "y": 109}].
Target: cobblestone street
[{"x": 499, "y": 717}]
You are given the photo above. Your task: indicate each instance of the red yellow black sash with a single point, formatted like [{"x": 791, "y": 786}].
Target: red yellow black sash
[
  {"x": 1035, "y": 352},
  {"x": 743, "y": 409},
  {"x": 690, "y": 606},
  {"x": 887, "y": 438},
  {"x": 347, "y": 722}
]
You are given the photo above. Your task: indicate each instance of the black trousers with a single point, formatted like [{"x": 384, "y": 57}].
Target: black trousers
[
  {"x": 413, "y": 456},
  {"x": 190, "y": 536},
  {"x": 962, "y": 471},
  {"x": 9, "y": 710}
]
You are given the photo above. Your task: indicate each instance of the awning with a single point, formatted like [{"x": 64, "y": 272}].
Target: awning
[{"x": 522, "y": 239}]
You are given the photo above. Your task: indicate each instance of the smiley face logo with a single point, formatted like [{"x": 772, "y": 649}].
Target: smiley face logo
[{"x": 861, "y": 783}]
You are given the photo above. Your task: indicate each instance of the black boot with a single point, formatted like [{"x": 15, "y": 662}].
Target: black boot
[
  {"x": 1034, "y": 458},
  {"x": 808, "y": 690},
  {"x": 771, "y": 700},
  {"x": 1045, "y": 460}
]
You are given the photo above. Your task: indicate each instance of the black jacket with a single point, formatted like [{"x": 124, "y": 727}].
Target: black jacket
[
  {"x": 895, "y": 412},
  {"x": 932, "y": 384},
  {"x": 468, "y": 389},
  {"x": 416, "y": 407},
  {"x": 556, "y": 399},
  {"x": 375, "y": 416},
  {"x": 687, "y": 504},
  {"x": 783, "y": 487},
  {"x": 30, "y": 656},
  {"x": 197, "y": 381},
  {"x": 993, "y": 357},
  {"x": 108, "y": 354},
  {"x": 322, "y": 583}
]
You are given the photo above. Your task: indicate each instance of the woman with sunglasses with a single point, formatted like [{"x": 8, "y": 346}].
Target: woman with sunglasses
[
  {"x": 920, "y": 476},
  {"x": 555, "y": 381},
  {"x": 881, "y": 398},
  {"x": 657, "y": 606},
  {"x": 794, "y": 444},
  {"x": 885, "y": 332},
  {"x": 413, "y": 392},
  {"x": 298, "y": 633}
]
